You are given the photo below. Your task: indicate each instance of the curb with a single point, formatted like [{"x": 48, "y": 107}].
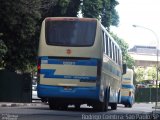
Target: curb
[{"x": 156, "y": 107}]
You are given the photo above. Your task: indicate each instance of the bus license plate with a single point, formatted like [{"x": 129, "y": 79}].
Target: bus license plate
[{"x": 67, "y": 88}]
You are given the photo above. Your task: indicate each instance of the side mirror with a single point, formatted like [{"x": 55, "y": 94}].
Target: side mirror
[{"x": 124, "y": 69}]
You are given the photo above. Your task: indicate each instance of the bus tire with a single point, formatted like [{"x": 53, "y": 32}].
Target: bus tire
[
  {"x": 100, "y": 107},
  {"x": 125, "y": 105},
  {"x": 63, "y": 107},
  {"x": 77, "y": 106},
  {"x": 119, "y": 97},
  {"x": 130, "y": 105},
  {"x": 113, "y": 106},
  {"x": 53, "y": 105},
  {"x": 103, "y": 106},
  {"x": 44, "y": 100}
]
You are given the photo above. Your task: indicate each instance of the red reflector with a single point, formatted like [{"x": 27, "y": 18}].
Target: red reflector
[
  {"x": 129, "y": 93},
  {"x": 68, "y": 51},
  {"x": 38, "y": 67}
]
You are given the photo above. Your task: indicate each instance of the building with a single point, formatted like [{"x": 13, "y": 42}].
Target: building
[{"x": 144, "y": 56}]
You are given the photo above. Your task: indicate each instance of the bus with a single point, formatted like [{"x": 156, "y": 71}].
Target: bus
[
  {"x": 78, "y": 63},
  {"x": 128, "y": 89}
]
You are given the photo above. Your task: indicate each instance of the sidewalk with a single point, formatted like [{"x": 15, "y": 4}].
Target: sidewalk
[
  {"x": 10, "y": 104},
  {"x": 158, "y": 105}
]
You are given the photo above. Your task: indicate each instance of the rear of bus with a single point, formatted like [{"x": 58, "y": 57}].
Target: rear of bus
[
  {"x": 127, "y": 89},
  {"x": 69, "y": 61}
]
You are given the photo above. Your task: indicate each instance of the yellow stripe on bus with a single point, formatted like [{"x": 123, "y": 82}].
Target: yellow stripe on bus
[
  {"x": 72, "y": 69},
  {"x": 65, "y": 82}
]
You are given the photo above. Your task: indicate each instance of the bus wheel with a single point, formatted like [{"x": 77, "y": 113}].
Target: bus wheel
[
  {"x": 77, "y": 106},
  {"x": 53, "y": 105},
  {"x": 126, "y": 105},
  {"x": 63, "y": 106},
  {"x": 102, "y": 106},
  {"x": 44, "y": 100},
  {"x": 130, "y": 105},
  {"x": 113, "y": 106}
]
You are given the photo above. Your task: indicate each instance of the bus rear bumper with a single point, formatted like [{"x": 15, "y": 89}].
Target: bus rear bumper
[
  {"x": 46, "y": 91},
  {"x": 126, "y": 100}
]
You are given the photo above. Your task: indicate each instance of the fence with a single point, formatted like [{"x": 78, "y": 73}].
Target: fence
[
  {"x": 147, "y": 95},
  {"x": 15, "y": 87}
]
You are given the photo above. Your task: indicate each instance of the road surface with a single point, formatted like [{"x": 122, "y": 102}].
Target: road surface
[{"x": 42, "y": 112}]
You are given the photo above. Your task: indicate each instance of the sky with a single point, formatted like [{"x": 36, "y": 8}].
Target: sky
[{"x": 144, "y": 13}]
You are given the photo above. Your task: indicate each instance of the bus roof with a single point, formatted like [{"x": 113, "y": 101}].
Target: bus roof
[{"x": 69, "y": 19}]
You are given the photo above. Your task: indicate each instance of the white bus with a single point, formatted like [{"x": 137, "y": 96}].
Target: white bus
[
  {"x": 78, "y": 63},
  {"x": 128, "y": 89}
]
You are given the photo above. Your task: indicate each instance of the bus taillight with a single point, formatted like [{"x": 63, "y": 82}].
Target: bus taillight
[{"x": 38, "y": 67}]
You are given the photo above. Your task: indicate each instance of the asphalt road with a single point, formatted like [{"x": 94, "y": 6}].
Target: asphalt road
[{"x": 41, "y": 112}]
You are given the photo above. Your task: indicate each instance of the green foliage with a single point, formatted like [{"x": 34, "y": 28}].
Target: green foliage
[
  {"x": 3, "y": 50},
  {"x": 124, "y": 47},
  {"x": 18, "y": 24},
  {"x": 21, "y": 20},
  {"x": 106, "y": 13},
  {"x": 152, "y": 73},
  {"x": 145, "y": 75},
  {"x": 92, "y": 8},
  {"x": 103, "y": 10},
  {"x": 140, "y": 74},
  {"x": 109, "y": 15},
  {"x": 59, "y": 8},
  {"x": 114, "y": 13},
  {"x": 114, "y": 18}
]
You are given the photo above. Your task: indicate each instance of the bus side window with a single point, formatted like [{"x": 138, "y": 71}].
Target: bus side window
[
  {"x": 107, "y": 47},
  {"x": 119, "y": 58},
  {"x": 110, "y": 48},
  {"x": 116, "y": 54},
  {"x": 104, "y": 42},
  {"x": 113, "y": 52}
]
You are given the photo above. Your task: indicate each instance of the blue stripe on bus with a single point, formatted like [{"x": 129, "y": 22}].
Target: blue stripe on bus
[
  {"x": 44, "y": 58},
  {"x": 90, "y": 62},
  {"x": 112, "y": 69},
  {"x": 48, "y": 73},
  {"x": 126, "y": 78},
  {"x": 76, "y": 92},
  {"x": 127, "y": 86}
]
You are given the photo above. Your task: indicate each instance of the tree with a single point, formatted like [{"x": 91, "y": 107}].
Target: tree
[
  {"x": 92, "y": 8},
  {"x": 103, "y": 10},
  {"x": 124, "y": 47},
  {"x": 58, "y": 8},
  {"x": 18, "y": 24},
  {"x": 21, "y": 21},
  {"x": 140, "y": 74},
  {"x": 152, "y": 73},
  {"x": 3, "y": 50},
  {"x": 109, "y": 15}
]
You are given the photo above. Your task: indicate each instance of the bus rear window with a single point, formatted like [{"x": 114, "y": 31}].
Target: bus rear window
[{"x": 70, "y": 33}]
